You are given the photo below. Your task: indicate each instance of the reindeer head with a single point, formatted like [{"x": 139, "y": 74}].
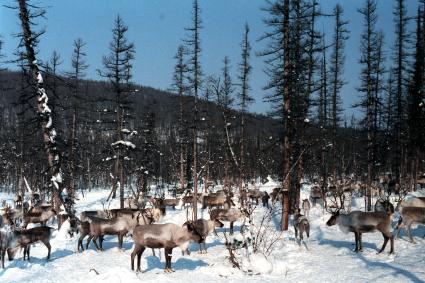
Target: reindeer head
[
  {"x": 334, "y": 217},
  {"x": 195, "y": 234}
]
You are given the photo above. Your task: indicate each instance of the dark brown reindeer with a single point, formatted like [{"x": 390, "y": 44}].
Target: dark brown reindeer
[
  {"x": 25, "y": 237},
  {"x": 231, "y": 215},
  {"x": 360, "y": 222},
  {"x": 167, "y": 236}
]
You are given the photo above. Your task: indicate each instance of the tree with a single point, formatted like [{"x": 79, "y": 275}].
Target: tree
[
  {"x": 195, "y": 73},
  {"x": 179, "y": 85},
  {"x": 416, "y": 99},
  {"x": 245, "y": 98},
  {"x": 400, "y": 72},
  {"x": 336, "y": 71},
  {"x": 118, "y": 72},
  {"x": 30, "y": 41},
  {"x": 277, "y": 56},
  {"x": 369, "y": 51},
  {"x": 75, "y": 77}
]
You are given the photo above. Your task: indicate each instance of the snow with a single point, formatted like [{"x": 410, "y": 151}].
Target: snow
[
  {"x": 39, "y": 78},
  {"x": 125, "y": 143},
  {"x": 326, "y": 256}
]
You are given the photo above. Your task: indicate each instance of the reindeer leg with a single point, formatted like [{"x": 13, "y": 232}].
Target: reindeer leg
[
  {"x": 49, "y": 248},
  {"x": 133, "y": 254},
  {"x": 101, "y": 239},
  {"x": 88, "y": 241},
  {"x": 360, "y": 243},
  {"x": 399, "y": 226},
  {"x": 3, "y": 254},
  {"x": 95, "y": 243},
  {"x": 231, "y": 228},
  {"x": 139, "y": 256},
  {"x": 120, "y": 240},
  {"x": 392, "y": 244},
  {"x": 167, "y": 252},
  {"x": 409, "y": 233},
  {"x": 80, "y": 243},
  {"x": 296, "y": 233},
  {"x": 386, "y": 238},
  {"x": 356, "y": 238}
]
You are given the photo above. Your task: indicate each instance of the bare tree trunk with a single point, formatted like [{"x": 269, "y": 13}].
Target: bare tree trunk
[{"x": 287, "y": 123}]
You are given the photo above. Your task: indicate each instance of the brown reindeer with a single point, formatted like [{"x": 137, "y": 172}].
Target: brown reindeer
[
  {"x": 409, "y": 216},
  {"x": 204, "y": 228},
  {"x": 306, "y": 207},
  {"x": 167, "y": 236},
  {"x": 39, "y": 217},
  {"x": 125, "y": 222},
  {"x": 85, "y": 215},
  {"x": 220, "y": 200},
  {"x": 254, "y": 195},
  {"x": 231, "y": 215},
  {"x": 173, "y": 202},
  {"x": 301, "y": 225},
  {"x": 6, "y": 243}
]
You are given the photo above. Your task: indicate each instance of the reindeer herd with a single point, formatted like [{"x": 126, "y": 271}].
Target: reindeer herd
[{"x": 142, "y": 223}]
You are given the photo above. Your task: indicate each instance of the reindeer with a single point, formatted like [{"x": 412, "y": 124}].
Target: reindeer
[
  {"x": 8, "y": 216},
  {"x": 409, "y": 216},
  {"x": 306, "y": 207},
  {"x": 204, "y": 228},
  {"x": 167, "y": 236},
  {"x": 360, "y": 222},
  {"x": 276, "y": 195},
  {"x": 173, "y": 202},
  {"x": 119, "y": 226},
  {"x": 18, "y": 201},
  {"x": 39, "y": 217},
  {"x": 124, "y": 222},
  {"x": 85, "y": 215},
  {"x": 301, "y": 225},
  {"x": 315, "y": 194},
  {"x": 220, "y": 200},
  {"x": 23, "y": 238},
  {"x": 6, "y": 243},
  {"x": 412, "y": 202},
  {"x": 254, "y": 195},
  {"x": 384, "y": 205},
  {"x": 231, "y": 215}
]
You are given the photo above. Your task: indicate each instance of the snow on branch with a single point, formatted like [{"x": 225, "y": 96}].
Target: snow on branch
[{"x": 124, "y": 143}]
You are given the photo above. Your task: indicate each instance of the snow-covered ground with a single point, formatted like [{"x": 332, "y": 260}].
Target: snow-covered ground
[{"x": 326, "y": 257}]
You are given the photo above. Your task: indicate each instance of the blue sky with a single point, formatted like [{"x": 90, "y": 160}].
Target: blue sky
[{"x": 157, "y": 28}]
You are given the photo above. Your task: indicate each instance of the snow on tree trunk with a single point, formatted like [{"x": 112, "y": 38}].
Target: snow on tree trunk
[{"x": 44, "y": 111}]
